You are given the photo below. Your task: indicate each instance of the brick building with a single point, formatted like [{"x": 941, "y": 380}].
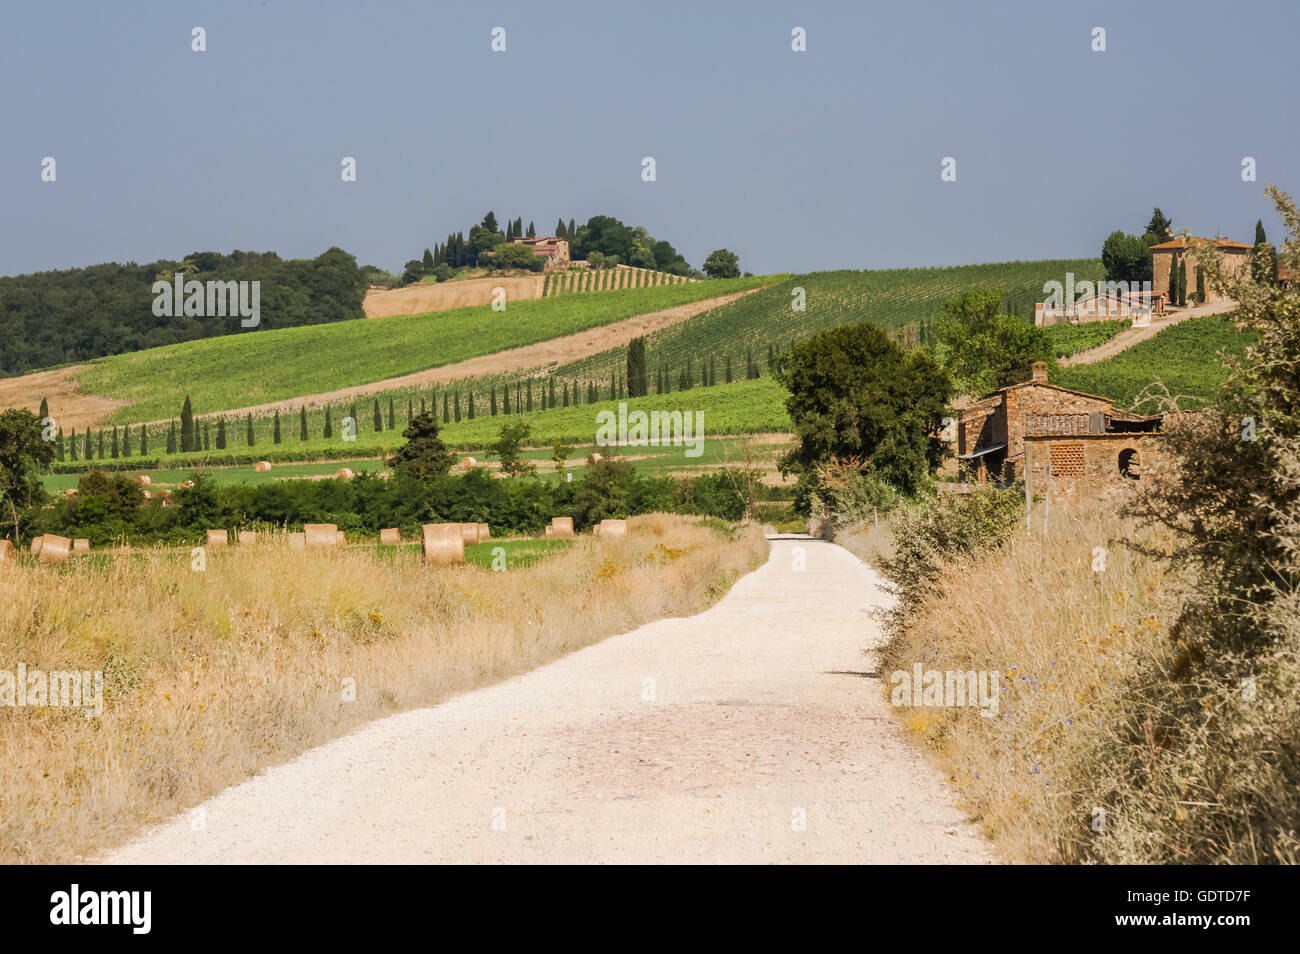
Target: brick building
[
  {"x": 1089, "y": 444},
  {"x": 1236, "y": 261}
]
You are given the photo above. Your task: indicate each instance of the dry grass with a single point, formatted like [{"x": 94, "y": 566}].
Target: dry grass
[
  {"x": 212, "y": 676},
  {"x": 1069, "y": 641}
]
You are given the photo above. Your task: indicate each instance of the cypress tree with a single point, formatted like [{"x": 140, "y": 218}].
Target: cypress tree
[
  {"x": 552, "y": 389},
  {"x": 44, "y": 411},
  {"x": 1200, "y": 286},
  {"x": 455, "y": 406},
  {"x": 101, "y": 445},
  {"x": 144, "y": 440},
  {"x": 769, "y": 354},
  {"x": 275, "y": 429},
  {"x": 329, "y": 424},
  {"x": 528, "y": 401},
  {"x": 492, "y": 398},
  {"x": 205, "y": 436},
  {"x": 392, "y": 423},
  {"x": 171, "y": 438},
  {"x": 113, "y": 446},
  {"x": 379, "y": 418},
  {"x": 221, "y": 433},
  {"x": 60, "y": 444},
  {"x": 72, "y": 444},
  {"x": 410, "y": 415},
  {"x": 566, "y": 393},
  {"x": 469, "y": 411},
  {"x": 1182, "y": 283},
  {"x": 126, "y": 440},
  {"x": 446, "y": 408},
  {"x": 187, "y": 426},
  {"x": 356, "y": 418},
  {"x": 302, "y": 423},
  {"x": 728, "y": 369},
  {"x": 427, "y": 261},
  {"x": 559, "y": 229},
  {"x": 573, "y": 229},
  {"x": 532, "y": 232},
  {"x": 251, "y": 440}
]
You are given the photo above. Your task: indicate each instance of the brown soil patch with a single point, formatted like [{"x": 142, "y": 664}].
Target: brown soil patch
[
  {"x": 63, "y": 389},
  {"x": 467, "y": 293}
]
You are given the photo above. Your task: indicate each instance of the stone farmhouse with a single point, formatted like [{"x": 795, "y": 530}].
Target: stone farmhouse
[
  {"x": 1091, "y": 447},
  {"x": 1106, "y": 305},
  {"x": 1236, "y": 262},
  {"x": 554, "y": 250}
]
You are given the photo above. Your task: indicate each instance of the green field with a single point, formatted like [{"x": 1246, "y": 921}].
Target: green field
[
  {"x": 262, "y": 366},
  {"x": 1070, "y": 339},
  {"x": 1186, "y": 358}
]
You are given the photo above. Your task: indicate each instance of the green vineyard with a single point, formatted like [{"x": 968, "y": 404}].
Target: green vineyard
[{"x": 574, "y": 280}]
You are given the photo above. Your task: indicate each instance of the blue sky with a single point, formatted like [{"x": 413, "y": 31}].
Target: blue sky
[{"x": 795, "y": 161}]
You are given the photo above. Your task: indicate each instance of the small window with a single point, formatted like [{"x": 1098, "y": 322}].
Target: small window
[{"x": 1129, "y": 465}]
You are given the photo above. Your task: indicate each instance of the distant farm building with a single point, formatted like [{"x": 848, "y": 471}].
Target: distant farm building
[
  {"x": 1236, "y": 264},
  {"x": 554, "y": 250},
  {"x": 1090, "y": 446},
  {"x": 1108, "y": 304}
]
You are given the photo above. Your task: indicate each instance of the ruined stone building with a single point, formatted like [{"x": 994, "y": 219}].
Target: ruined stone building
[{"x": 1090, "y": 446}]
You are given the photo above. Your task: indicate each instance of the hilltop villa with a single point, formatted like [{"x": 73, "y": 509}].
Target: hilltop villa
[{"x": 1236, "y": 260}]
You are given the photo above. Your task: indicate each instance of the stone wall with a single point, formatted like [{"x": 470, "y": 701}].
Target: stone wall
[{"x": 1089, "y": 467}]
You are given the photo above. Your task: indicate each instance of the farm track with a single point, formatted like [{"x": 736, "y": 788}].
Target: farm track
[
  {"x": 754, "y": 732},
  {"x": 1131, "y": 336}
]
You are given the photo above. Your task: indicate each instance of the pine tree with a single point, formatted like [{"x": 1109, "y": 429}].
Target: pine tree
[
  {"x": 221, "y": 433},
  {"x": 187, "y": 426},
  {"x": 275, "y": 429},
  {"x": 302, "y": 424},
  {"x": 171, "y": 438},
  {"x": 251, "y": 440},
  {"x": 329, "y": 424}
]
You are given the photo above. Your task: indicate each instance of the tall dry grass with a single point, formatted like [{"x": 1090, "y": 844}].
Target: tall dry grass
[
  {"x": 214, "y": 675},
  {"x": 1071, "y": 638}
]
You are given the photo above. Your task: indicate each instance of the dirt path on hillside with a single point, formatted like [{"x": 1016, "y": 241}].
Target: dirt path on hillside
[
  {"x": 763, "y": 711},
  {"x": 1131, "y": 336},
  {"x": 72, "y": 408},
  {"x": 573, "y": 347}
]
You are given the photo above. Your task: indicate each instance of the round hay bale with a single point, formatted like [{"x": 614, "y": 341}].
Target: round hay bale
[
  {"x": 262, "y": 466},
  {"x": 247, "y": 538},
  {"x": 468, "y": 462},
  {"x": 321, "y": 535},
  {"x": 484, "y": 533},
  {"x": 54, "y": 548},
  {"x": 217, "y": 539},
  {"x": 144, "y": 480},
  {"x": 390, "y": 537},
  {"x": 81, "y": 545},
  {"x": 297, "y": 541},
  {"x": 612, "y": 528},
  {"x": 344, "y": 473},
  {"x": 341, "y": 538},
  {"x": 469, "y": 532},
  {"x": 7, "y": 552},
  {"x": 550, "y": 533},
  {"x": 36, "y": 544},
  {"x": 442, "y": 543},
  {"x": 562, "y": 525}
]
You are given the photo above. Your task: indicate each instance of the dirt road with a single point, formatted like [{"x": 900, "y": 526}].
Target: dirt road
[
  {"x": 1131, "y": 336},
  {"x": 753, "y": 732}
]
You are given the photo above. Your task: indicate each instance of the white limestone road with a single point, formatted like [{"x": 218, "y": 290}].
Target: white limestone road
[{"x": 754, "y": 732}]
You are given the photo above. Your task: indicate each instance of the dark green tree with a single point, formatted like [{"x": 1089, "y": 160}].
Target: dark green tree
[
  {"x": 392, "y": 422},
  {"x": 24, "y": 455},
  {"x": 221, "y": 433},
  {"x": 275, "y": 429},
  {"x": 302, "y": 423},
  {"x": 171, "y": 440},
  {"x": 187, "y": 426},
  {"x": 329, "y": 424},
  {"x": 722, "y": 263},
  {"x": 424, "y": 455},
  {"x": 1159, "y": 227},
  {"x": 251, "y": 439},
  {"x": 637, "y": 384}
]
